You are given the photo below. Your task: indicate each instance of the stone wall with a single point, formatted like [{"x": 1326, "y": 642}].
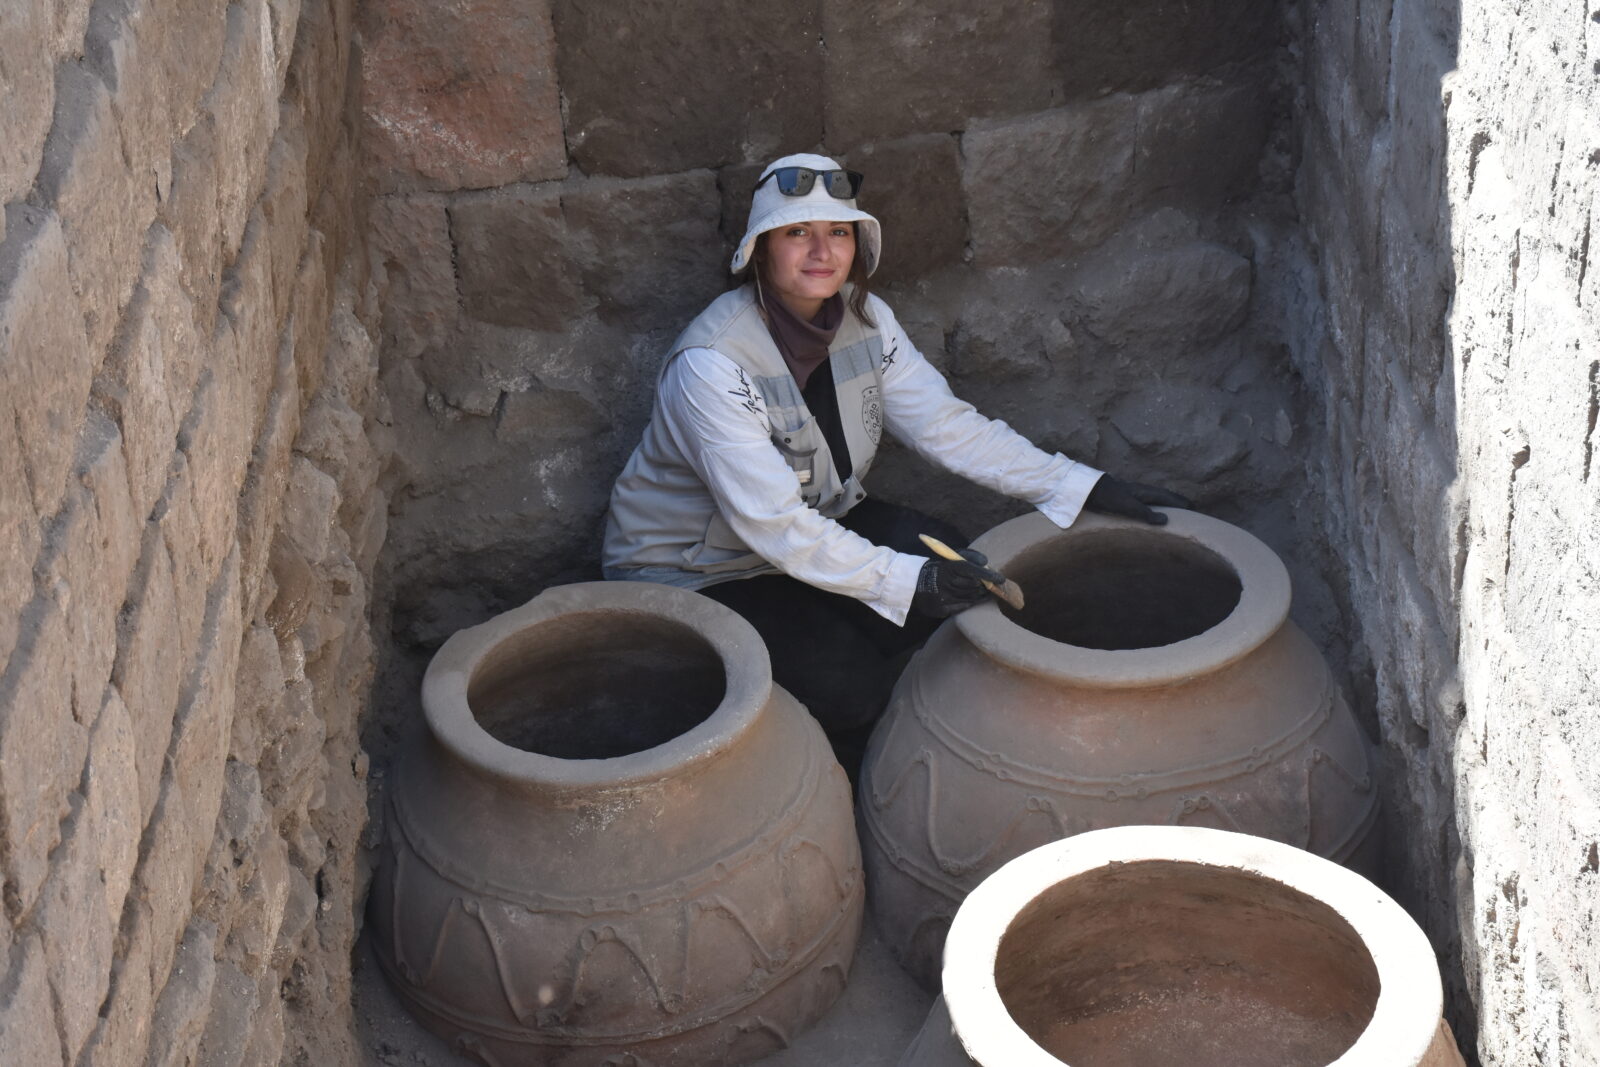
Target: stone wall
[
  {"x": 1444, "y": 309},
  {"x": 1074, "y": 200},
  {"x": 189, "y": 520}
]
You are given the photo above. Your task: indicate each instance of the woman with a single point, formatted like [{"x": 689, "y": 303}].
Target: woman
[{"x": 768, "y": 412}]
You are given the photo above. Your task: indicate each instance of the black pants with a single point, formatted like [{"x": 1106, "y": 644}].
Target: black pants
[{"x": 836, "y": 655}]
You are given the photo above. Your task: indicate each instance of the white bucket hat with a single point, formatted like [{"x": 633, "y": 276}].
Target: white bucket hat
[{"x": 771, "y": 210}]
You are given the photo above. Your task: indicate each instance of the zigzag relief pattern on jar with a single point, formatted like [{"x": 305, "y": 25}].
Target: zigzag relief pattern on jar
[{"x": 1153, "y": 678}]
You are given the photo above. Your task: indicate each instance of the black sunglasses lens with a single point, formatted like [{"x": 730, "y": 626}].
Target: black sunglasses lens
[
  {"x": 843, "y": 184},
  {"x": 794, "y": 181}
]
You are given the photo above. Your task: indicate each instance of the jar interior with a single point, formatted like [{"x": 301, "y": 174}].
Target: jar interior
[
  {"x": 1156, "y": 963},
  {"x": 596, "y": 685},
  {"x": 1122, "y": 589}
]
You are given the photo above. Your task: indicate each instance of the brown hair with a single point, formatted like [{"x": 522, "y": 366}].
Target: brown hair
[{"x": 857, "y": 276}]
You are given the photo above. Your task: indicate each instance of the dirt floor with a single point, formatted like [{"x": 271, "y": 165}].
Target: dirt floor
[{"x": 870, "y": 1026}]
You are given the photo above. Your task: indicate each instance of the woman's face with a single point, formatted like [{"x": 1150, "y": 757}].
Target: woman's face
[{"x": 808, "y": 262}]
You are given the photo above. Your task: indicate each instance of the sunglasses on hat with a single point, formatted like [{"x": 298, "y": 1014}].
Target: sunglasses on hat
[{"x": 797, "y": 181}]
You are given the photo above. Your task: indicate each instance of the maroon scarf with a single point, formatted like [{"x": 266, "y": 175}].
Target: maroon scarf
[{"x": 804, "y": 345}]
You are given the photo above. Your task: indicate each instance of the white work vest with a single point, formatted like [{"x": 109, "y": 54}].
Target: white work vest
[{"x": 662, "y": 514}]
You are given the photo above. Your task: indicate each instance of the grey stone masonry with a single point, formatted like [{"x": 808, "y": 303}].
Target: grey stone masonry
[
  {"x": 1450, "y": 168},
  {"x": 177, "y": 278}
]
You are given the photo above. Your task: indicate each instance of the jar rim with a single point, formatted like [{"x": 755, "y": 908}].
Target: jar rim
[
  {"x": 1410, "y": 994},
  {"x": 1261, "y": 611},
  {"x": 746, "y": 665}
]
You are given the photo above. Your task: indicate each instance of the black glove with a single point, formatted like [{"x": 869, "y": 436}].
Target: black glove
[
  {"x": 1113, "y": 496},
  {"x": 948, "y": 586}
]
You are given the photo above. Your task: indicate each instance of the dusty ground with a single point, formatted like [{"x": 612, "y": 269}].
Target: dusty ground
[{"x": 870, "y": 1026}]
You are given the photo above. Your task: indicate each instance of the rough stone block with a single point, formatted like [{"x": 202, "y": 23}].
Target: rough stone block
[
  {"x": 1420, "y": 144},
  {"x": 163, "y": 886},
  {"x": 248, "y": 343},
  {"x": 1182, "y": 424},
  {"x": 42, "y": 747},
  {"x": 217, "y": 447},
  {"x": 460, "y": 96},
  {"x": 1138, "y": 45},
  {"x": 951, "y": 62},
  {"x": 351, "y": 360},
  {"x": 284, "y": 18},
  {"x": 291, "y": 767},
  {"x": 178, "y": 521},
  {"x": 1370, "y": 63},
  {"x": 129, "y": 43},
  {"x": 149, "y": 378},
  {"x": 411, "y": 241},
  {"x": 257, "y": 689},
  {"x": 19, "y": 530},
  {"x": 111, "y": 799},
  {"x": 259, "y": 911},
  {"x": 1199, "y": 145},
  {"x": 309, "y": 508},
  {"x": 77, "y": 929},
  {"x": 234, "y": 1000},
  {"x": 516, "y": 264},
  {"x": 120, "y": 1037},
  {"x": 180, "y": 1013},
  {"x": 48, "y": 367},
  {"x": 205, "y": 713},
  {"x": 546, "y": 414},
  {"x": 193, "y": 214},
  {"x": 94, "y": 544},
  {"x": 164, "y": 54},
  {"x": 1164, "y": 300},
  {"x": 282, "y": 210},
  {"x": 27, "y": 1028},
  {"x": 1052, "y": 184},
  {"x": 648, "y": 90},
  {"x": 267, "y": 1027},
  {"x": 334, "y": 438},
  {"x": 308, "y": 329},
  {"x": 150, "y": 664},
  {"x": 649, "y": 248},
  {"x": 299, "y": 909},
  {"x": 261, "y": 499},
  {"x": 244, "y": 111},
  {"x": 317, "y": 81},
  {"x": 913, "y": 186},
  {"x": 104, "y": 206},
  {"x": 27, "y": 85}
]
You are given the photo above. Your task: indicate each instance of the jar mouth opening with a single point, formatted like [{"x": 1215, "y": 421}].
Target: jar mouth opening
[
  {"x": 1115, "y": 603},
  {"x": 1067, "y": 933},
  {"x": 596, "y": 685},
  {"x": 1173, "y": 962},
  {"x": 1122, "y": 589}
]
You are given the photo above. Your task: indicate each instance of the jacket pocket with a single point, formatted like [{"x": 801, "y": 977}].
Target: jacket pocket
[{"x": 721, "y": 550}]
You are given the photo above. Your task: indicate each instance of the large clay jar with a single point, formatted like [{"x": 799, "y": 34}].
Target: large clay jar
[
  {"x": 618, "y": 842},
  {"x": 1154, "y": 677},
  {"x": 1152, "y": 946}
]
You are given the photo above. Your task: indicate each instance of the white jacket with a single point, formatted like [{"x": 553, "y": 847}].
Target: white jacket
[{"x": 708, "y": 496}]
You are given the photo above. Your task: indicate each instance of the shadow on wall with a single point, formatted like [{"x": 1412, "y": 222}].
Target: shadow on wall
[
  {"x": 1365, "y": 285},
  {"x": 1075, "y": 205}
]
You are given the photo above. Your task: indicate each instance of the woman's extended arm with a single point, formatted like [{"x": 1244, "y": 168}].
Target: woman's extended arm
[
  {"x": 922, "y": 413},
  {"x": 721, "y": 430}
]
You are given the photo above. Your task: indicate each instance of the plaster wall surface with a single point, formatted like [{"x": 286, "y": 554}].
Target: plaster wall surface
[
  {"x": 188, "y": 519},
  {"x": 1446, "y": 309}
]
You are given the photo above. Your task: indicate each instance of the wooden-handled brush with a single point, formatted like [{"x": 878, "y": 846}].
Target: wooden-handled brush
[{"x": 1008, "y": 591}]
